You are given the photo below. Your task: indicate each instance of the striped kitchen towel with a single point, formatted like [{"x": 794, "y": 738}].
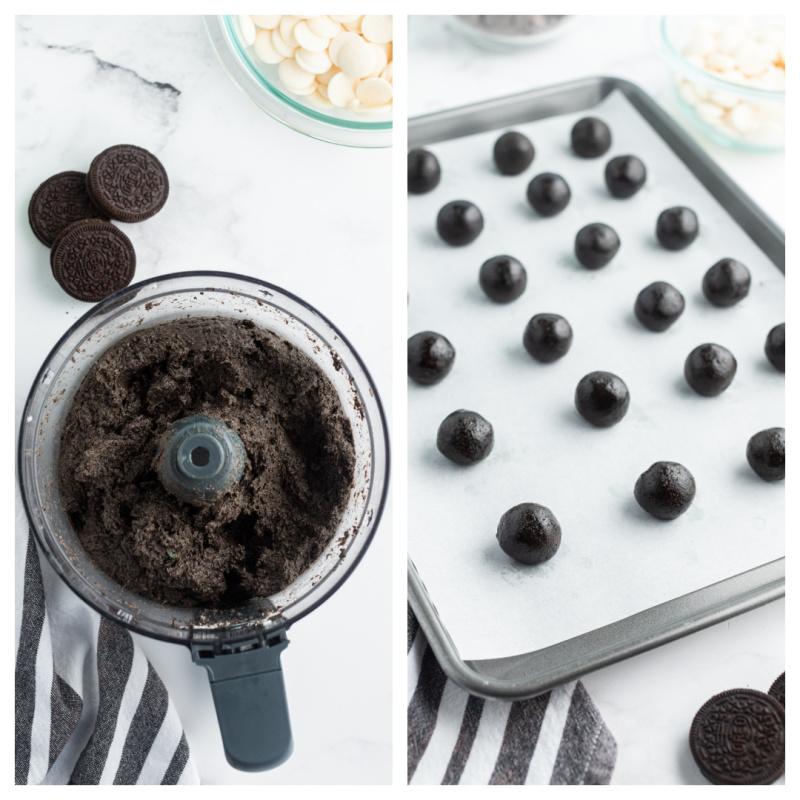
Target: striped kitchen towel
[
  {"x": 90, "y": 708},
  {"x": 455, "y": 738}
]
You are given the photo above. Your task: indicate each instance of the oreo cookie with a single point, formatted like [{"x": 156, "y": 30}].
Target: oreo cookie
[
  {"x": 92, "y": 260},
  {"x": 778, "y": 689},
  {"x": 61, "y": 200},
  {"x": 738, "y": 738},
  {"x": 128, "y": 183}
]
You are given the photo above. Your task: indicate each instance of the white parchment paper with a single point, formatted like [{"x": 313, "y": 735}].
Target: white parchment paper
[{"x": 614, "y": 559}]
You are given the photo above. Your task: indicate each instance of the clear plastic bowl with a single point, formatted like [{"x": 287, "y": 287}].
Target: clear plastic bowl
[
  {"x": 159, "y": 300},
  {"x": 701, "y": 94},
  {"x": 260, "y": 83}
]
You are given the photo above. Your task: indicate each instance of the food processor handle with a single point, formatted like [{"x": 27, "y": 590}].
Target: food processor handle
[{"x": 250, "y": 700}]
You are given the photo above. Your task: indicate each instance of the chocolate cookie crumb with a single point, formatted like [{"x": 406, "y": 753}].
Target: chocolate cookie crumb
[{"x": 258, "y": 538}]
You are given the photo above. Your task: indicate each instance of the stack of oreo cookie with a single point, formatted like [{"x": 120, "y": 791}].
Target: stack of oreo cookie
[{"x": 71, "y": 212}]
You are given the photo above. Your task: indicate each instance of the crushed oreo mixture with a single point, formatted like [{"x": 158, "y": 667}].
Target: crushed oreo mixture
[{"x": 270, "y": 527}]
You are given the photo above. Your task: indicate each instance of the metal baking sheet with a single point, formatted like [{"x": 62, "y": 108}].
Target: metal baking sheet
[{"x": 522, "y": 630}]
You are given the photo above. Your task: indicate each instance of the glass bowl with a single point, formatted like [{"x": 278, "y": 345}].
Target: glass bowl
[
  {"x": 159, "y": 300},
  {"x": 508, "y": 33},
  {"x": 733, "y": 114},
  {"x": 260, "y": 83}
]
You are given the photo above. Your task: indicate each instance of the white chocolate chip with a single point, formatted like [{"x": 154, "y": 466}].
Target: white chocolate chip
[
  {"x": 354, "y": 26},
  {"x": 325, "y": 78},
  {"x": 374, "y": 110},
  {"x": 324, "y": 27},
  {"x": 317, "y": 63},
  {"x": 708, "y": 112},
  {"x": 288, "y": 24},
  {"x": 308, "y": 40},
  {"x": 247, "y": 29},
  {"x": 310, "y": 89},
  {"x": 752, "y": 59},
  {"x": 701, "y": 91},
  {"x": 724, "y": 99},
  {"x": 346, "y": 19},
  {"x": 374, "y": 91},
  {"x": 338, "y": 42},
  {"x": 377, "y": 28},
  {"x": 265, "y": 49},
  {"x": 341, "y": 90},
  {"x": 318, "y": 100},
  {"x": 380, "y": 60},
  {"x": 293, "y": 75},
  {"x": 742, "y": 118},
  {"x": 280, "y": 45},
  {"x": 720, "y": 61},
  {"x": 267, "y": 21},
  {"x": 356, "y": 58},
  {"x": 388, "y": 73}
]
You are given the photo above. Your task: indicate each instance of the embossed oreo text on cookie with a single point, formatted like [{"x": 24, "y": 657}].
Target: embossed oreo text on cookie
[
  {"x": 61, "y": 200},
  {"x": 128, "y": 183},
  {"x": 93, "y": 260},
  {"x": 738, "y": 738}
]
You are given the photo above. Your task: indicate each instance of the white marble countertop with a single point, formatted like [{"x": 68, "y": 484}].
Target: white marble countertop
[
  {"x": 246, "y": 196},
  {"x": 648, "y": 701}
]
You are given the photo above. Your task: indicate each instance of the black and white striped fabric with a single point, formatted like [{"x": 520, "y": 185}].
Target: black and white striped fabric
[
  {"x": 90, "y": 708},
  {"x": 455, "y": 738}
]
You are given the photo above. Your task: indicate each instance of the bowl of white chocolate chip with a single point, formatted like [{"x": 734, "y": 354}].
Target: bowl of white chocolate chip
[
  {"x": 730, "y": 75},
  {"x": 329, "y": 77}
]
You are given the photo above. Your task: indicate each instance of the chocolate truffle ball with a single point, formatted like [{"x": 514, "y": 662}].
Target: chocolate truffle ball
[
  {"x": 513, "y": 153},
  {"x": 726, "y": 283},
  {"x": 658, "y": 306},
  {"x": 709, "y": 369},
  {"x": 766, "y": 454},
  {"x": 547, "y": 337},
  {"x": 775, "y": 347},
  {"x": 665, "y": 490},
  {"x": 625, "y": 175},
  {"x": 424, "y": 172},
  {"x": 677, "y": 227},
  {"x": 549, "y": 194},
  {"x": 591, "y": 137},
  {"x": 602, "y": 398},
  {"x": 503, "y": 278},
  {"x": 465, "y": 437},
  {"x": 529, "y": 533},
  {"x": 459, "y": 222},
  {"x": 596, "y": 245},
  {"x": 430, "y": 357}
]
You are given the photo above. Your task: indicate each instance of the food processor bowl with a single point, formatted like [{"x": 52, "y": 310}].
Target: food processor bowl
[
  {"x": 239, "y": 647},
  {"x": 261, "y": 84}
]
